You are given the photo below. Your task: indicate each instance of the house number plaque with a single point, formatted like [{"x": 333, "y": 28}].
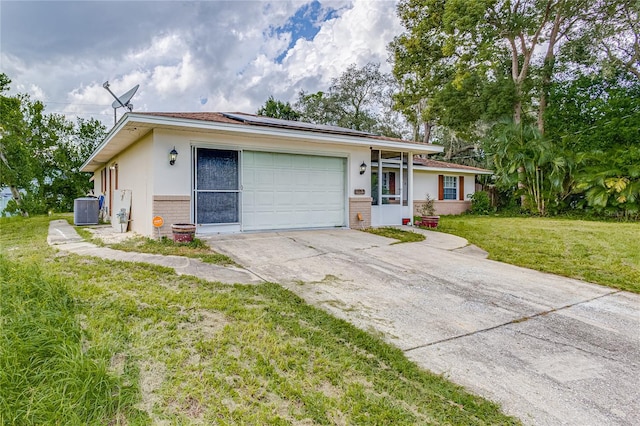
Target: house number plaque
[{"x": 359, "y": 191}]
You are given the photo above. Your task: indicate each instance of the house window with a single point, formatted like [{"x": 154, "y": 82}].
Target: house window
[{"x": 450, "y": 187}]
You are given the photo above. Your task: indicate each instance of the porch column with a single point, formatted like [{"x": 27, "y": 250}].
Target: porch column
[
  {"x": 380, "y": 177},
  {"x": 410, "y": 186}
]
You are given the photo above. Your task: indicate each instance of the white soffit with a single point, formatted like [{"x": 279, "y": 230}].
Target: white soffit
[{"x": 132, "y": 127}]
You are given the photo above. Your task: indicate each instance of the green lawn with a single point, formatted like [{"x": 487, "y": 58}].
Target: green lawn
[
  {"x": 196, "y": 249},
  {"x": 87, "y": 341},
  {"x": 606, "y": 253},
  {"x": 398, "y": 234}
]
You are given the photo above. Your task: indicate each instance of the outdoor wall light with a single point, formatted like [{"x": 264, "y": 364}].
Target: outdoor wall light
[
  {"x": 363, "y": 168},
  {"x": 172, "y": 156}
]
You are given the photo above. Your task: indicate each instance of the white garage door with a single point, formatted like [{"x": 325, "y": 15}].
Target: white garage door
[{"x": 285, "y": 191}]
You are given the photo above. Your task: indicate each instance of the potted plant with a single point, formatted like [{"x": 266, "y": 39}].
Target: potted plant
[
  {"x": 183, "y": 232},
  {"x": 428, "y": 213}
]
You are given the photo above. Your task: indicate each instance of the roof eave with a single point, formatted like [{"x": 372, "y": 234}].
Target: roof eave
[
  {"x": 293, "y": 133},
  {"x": 114, "y": 130},
  {"x": 451, "y": 169},
  {"x": 192, "y": 124}
]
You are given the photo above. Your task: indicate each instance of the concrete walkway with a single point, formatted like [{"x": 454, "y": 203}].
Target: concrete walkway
[{"x": 65, "y": 238}]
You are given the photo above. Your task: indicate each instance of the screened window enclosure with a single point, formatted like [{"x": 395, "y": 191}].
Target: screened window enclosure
[
  {"x": 388, "y": 178},
  {"x": 216, "y": 186}
]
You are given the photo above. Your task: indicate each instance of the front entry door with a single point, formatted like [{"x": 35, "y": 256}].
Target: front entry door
[{"x": 216, "y": 190}]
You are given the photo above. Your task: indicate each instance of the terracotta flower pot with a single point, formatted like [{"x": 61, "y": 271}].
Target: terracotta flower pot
[
  {"x": 430, "y": 221},
  {"x": 183, "y": 232}
]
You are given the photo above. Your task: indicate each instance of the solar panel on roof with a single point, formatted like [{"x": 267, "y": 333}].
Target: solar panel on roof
[{"x": 290, "y": 124}]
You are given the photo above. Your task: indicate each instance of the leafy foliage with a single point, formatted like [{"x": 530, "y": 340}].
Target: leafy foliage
[
  {"x": 522, "y": 157},
  {"x": 41, "y": 154},
  {"x": 278, "y": 109},
  {"x": 570, "y": 138},
  {"x": 611, "y": 181},
  {"x": 358, "y": 99},
  {"x": 480, "y": 203},
  {"x": 428, "y": 207},
  {"x": 598, "y": 117}
]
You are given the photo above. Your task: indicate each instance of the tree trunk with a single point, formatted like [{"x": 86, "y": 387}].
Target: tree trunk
[
  {"x": 15, "y": 192},
  {"x": 521, "y": 186},
  {"x": 547, "y": 68},
  {"x": 427, "y": 131}
]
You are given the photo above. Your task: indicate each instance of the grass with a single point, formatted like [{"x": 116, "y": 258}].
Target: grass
[
  {"x": 606, "y": 253},
  {"x": 147, "y": 346},
  {"x": 398, "y": 234},
  {"x": 46, "y": 376},
  {"x": 196, "y": 249}
]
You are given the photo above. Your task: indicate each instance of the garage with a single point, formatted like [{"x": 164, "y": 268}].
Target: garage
[{"x": 286, "y": 191}]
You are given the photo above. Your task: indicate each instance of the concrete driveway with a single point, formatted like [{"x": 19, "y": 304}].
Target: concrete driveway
[{"x": 550, "y": 350}]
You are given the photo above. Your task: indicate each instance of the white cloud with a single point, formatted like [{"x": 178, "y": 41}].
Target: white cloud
[
  {"x": 177, "y": 79},
  {"x": 359, "y": 35},
  {"x": 222, "y": 52},
  {"x": 161, "y": 47}
]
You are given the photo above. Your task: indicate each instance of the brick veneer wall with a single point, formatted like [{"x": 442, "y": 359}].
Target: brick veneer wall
[
  {"x": 444, "y": 207},
  {"x": 362, "y": 206},
  {"x": 173, "y": 209}
]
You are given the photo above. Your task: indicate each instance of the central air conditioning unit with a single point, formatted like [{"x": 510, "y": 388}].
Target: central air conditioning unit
[{"x": 85, "y": 211}]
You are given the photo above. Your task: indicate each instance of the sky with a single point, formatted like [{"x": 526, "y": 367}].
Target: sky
[{"x": 186, "y": 55}]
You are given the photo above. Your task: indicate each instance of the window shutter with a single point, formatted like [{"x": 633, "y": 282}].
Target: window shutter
[
  {"x": 461, "y": 189},
  {"x": 440, "y": 187}
]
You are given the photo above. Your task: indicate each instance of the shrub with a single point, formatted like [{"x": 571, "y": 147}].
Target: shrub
[{"x": 480, "y": 203}]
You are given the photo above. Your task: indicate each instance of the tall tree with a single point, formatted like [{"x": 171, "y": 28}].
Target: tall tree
[
  {"x": 15, "y": 159},
  {"x": 358, "y": 93},
  {"x": 473, "y": 51},
  {"x": 278, "y": 109},
  {"x": 41, "y": 154},
  {"x": 449, "y": 41},
  {"x": 355, "y": 100},
  {"x": 597, "y": 117},
  {"x": 611, "y": 40}
]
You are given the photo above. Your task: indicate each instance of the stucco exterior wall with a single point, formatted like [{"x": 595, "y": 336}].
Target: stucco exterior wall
[
  {"x": 469, "y": 186},
  {"x": 135, "y": 172},
  {"x": 426, "y": 182},
  {"x": 176, "y": 180},
  {"x": 97, "y": 182},
  {"x": 451, "y": 207}
]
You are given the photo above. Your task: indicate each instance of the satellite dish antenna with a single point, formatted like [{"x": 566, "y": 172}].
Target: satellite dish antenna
[{"x": 122, "y": 101}]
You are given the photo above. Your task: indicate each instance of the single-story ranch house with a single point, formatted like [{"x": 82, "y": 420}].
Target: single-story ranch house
[{"x": 234, "y": 172}]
